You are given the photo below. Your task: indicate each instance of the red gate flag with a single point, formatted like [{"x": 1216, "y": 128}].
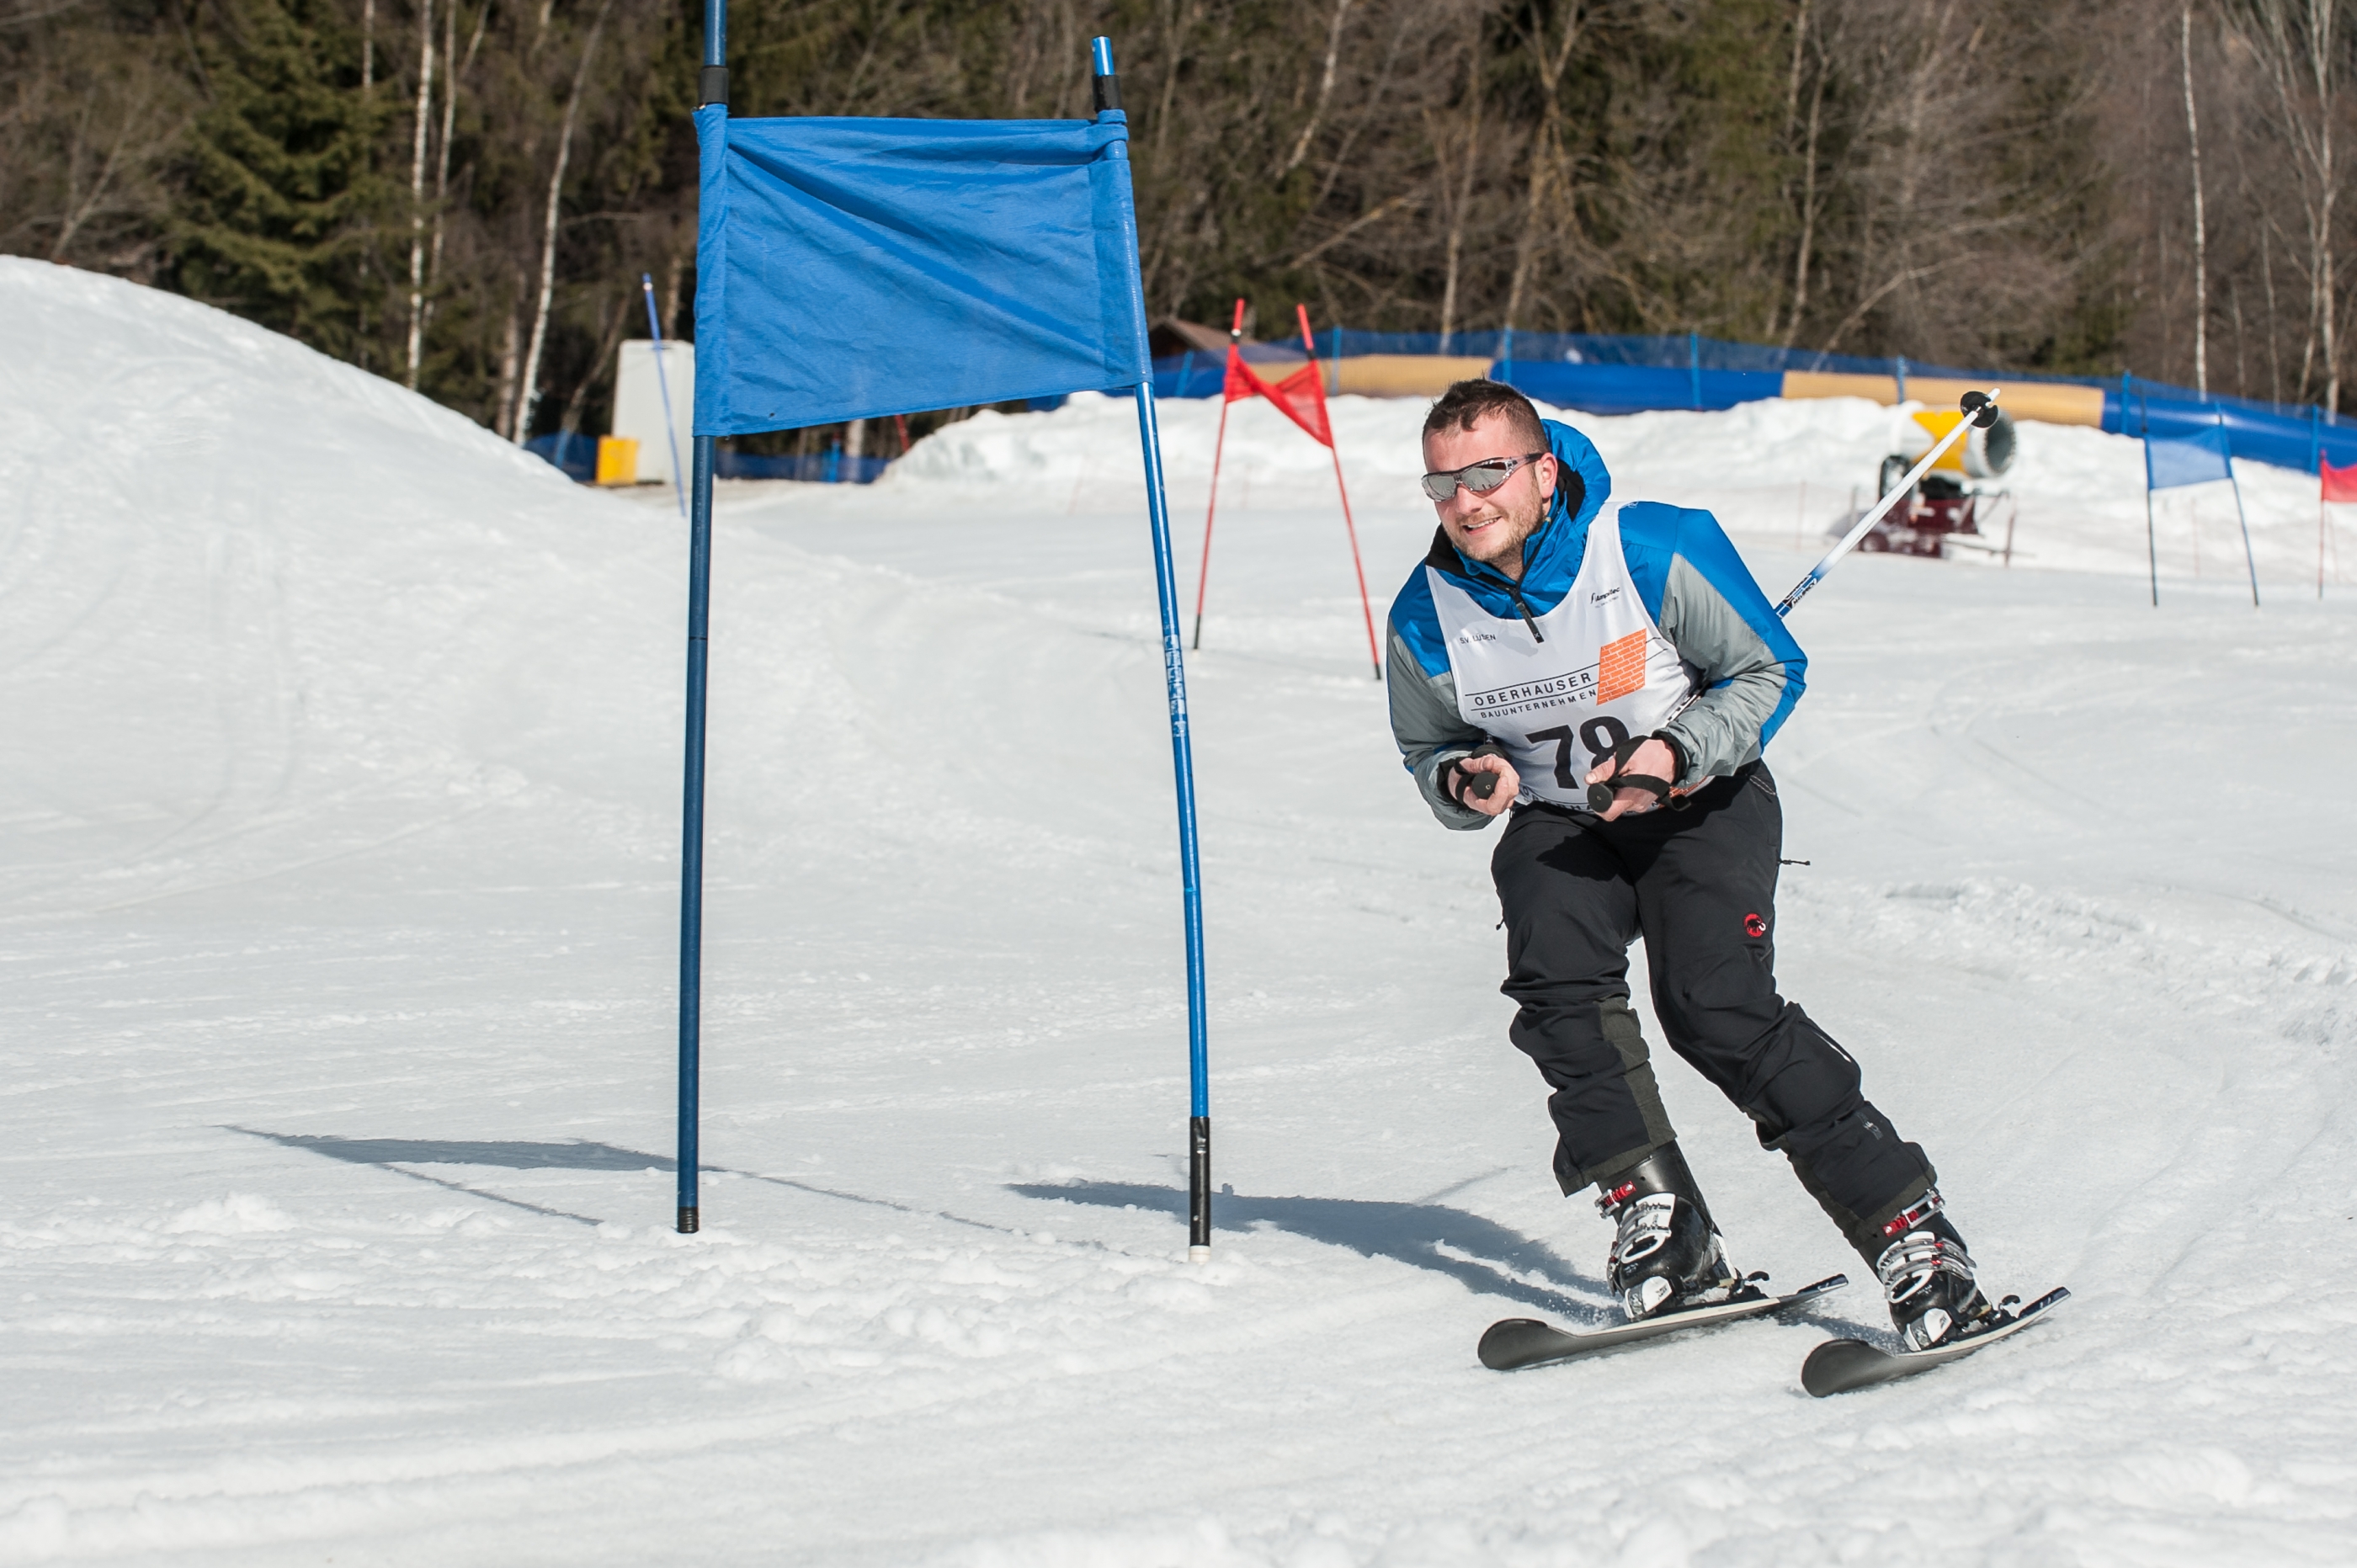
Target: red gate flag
[
  {"x": 1301, "y": 396},
  {"x": 2339, "y": 484}
]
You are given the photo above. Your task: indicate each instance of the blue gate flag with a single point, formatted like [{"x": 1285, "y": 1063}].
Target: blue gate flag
[
  {"x": 2195, "y": 459},
  {"x": 850, "y": 268}
]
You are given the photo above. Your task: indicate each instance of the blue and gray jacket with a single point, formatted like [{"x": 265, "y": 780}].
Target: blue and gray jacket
[{"x": 1701, "y": 596}]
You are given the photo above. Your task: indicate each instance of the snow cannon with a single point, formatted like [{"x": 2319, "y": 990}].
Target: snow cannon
[
  {"x": 1942, "y": 510},
  {"x": 1984, "y": 453}
]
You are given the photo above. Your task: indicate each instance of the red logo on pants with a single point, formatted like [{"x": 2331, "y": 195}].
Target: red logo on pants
[{"x": 1753, "y": 926}]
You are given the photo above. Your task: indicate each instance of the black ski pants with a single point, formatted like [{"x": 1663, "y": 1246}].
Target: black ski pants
[{"x": 1700, "y": 885}]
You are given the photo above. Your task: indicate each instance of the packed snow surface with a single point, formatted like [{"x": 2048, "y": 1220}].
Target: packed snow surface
[{"x": 341, "y": 811}]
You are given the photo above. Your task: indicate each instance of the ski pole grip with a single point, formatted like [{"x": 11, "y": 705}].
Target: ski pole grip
[{"x": 1481, "y": 784}]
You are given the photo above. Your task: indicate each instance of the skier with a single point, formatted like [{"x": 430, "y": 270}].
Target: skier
[{"x": 1544, "y": 646}]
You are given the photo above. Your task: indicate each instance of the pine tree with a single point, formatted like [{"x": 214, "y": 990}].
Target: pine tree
[{"x": 279, "y": 192}]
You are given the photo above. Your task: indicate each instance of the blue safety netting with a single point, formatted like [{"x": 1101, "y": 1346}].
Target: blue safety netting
[
  {"x": 574, "y": 454},
  {"x": 1631, "y": 389},
  {"x": 1190, "y": 375},
  {"x": 992, "y": 249},
  {"x": 2287, "y": 435},
  {"x": 817, "y": 468}
]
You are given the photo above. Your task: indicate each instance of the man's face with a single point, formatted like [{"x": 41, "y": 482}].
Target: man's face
[{"x": 1491, "y": 529}]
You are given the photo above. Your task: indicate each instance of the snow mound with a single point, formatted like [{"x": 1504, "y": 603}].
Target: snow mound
[
  {"x": 278, "y": 588},
  {"x": 139, "y": 381}
]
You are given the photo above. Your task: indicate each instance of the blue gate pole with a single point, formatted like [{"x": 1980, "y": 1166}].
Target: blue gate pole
[
  {"x": 2218, "y": 414},
  {"x": 662, "y": 385},
  {"x": 711, "y": 87},
  {"x": 1174, "y": 675},
  {"x": 1693, "y": 364},
  {"x": 2144, "y": 432}
]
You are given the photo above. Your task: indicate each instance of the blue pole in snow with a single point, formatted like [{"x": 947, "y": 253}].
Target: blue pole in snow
[
  {"x": 2144, "y": 432},
  {"x": 1693, "y": 364},
  {"x": 711, "y": 87},
  {"x": 662, "y": 385},
  {"x": 1174, "y": 671},
  {"x": 2218, "y": 414}
]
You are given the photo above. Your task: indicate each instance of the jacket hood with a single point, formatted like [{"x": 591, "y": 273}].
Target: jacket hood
[{"x": 1552, "y": 553}]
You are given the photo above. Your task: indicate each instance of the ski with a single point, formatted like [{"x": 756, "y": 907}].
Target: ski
[
  {"x": 1515, "y": 1342},
  {"x": 1838, "y": 1365}
]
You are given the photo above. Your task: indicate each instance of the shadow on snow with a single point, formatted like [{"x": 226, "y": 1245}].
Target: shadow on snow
[
  {"x": 396, "y": 1154},
  {"x": 1481, "y": 1254},
  {"x": 1484, "y": 1256}
]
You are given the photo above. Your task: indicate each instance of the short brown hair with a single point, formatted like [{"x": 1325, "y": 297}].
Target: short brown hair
[{"x": 1466, "y": 403}]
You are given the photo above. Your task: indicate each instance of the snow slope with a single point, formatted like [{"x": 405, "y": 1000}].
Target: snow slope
[{"x": 337, "y": 917}]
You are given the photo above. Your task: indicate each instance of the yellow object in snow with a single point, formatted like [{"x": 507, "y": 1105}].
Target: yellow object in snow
[
  {"x": 618, "y": 460},
  {"x": 1938, "y": 422},
  {"x": 1983, "y": 453}
]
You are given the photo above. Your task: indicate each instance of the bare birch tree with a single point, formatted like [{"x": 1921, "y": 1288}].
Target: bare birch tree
[
  {"x": 1550, "y": 36},
  {"x": 2200, "y": 233},
  {"x": 2293, "y": 42},
  {"x": 424, "y": 119},
  {"x": 528, "y": 393}
]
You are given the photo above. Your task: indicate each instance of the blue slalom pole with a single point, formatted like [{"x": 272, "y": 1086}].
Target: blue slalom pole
[
  {"x": 711, "y": 87},
  {"x": 2217, "y": 415},
  {"x": 1174, "y": 670},
  {"x": 2144, "y": 433},
  {"x": 662, "y": 385}
]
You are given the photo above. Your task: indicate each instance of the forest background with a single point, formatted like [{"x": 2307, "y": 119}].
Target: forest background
[{"x": 462, "y": 195}]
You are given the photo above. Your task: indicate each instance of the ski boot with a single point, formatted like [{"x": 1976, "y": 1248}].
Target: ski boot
[
  {"x": 1666, "y": 1257},
  {"x": 1927, "y": 1277}
]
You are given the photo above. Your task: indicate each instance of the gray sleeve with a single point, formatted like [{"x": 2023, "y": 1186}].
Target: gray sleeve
[
  {"x": 1749, "y": 684},
  {"x": 1429, "y": 730}
]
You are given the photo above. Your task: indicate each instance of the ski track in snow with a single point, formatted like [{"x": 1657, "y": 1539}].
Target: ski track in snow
[{"x": 337, "y": 913}]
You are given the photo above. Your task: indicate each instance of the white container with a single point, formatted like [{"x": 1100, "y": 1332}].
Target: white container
[{"x": 639, "y": 404}]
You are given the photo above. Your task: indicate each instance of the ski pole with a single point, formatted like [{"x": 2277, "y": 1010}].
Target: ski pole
[{"x": 1979, "y": 410}]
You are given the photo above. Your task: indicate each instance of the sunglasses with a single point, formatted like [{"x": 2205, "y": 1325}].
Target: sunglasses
[{"x": 1481, "y": 477}]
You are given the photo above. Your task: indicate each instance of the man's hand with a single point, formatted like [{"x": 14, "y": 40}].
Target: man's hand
[
  {"x": 1653, "y": 759},
  {"x": 1502, "y": 794}
]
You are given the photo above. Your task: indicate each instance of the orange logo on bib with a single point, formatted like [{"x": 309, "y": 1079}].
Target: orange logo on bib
[{"x": 1620, "y": 667}]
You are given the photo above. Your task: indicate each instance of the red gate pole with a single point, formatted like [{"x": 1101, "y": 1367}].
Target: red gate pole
[
  {"x": 1374, "y": 653},
  {"x": 1211, "y": 507}
]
